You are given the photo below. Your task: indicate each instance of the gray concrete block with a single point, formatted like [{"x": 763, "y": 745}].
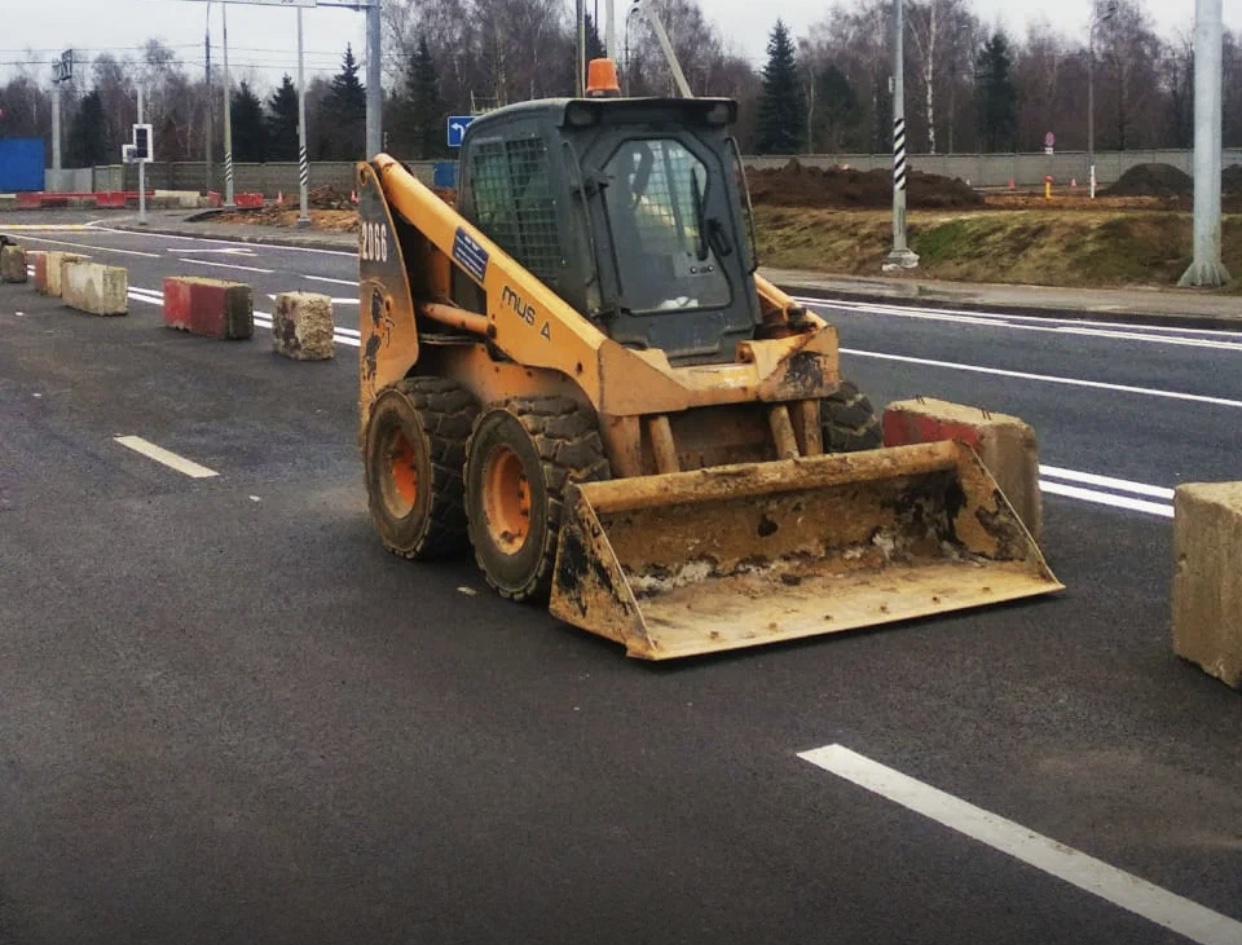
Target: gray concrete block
[
  {"x": 95, "y": 288},
  {"x": 302, "y": 326},
  {"x": 12, "y": 264},
  {"x": 1207, "y": 582}
]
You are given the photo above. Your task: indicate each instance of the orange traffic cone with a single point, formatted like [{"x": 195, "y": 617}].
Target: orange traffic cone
[
  {"x": 1012, "y": 186},
  {"x": 1073, "y": 183},
  {"x": 280, "y": 198},
  {"x": 353, "y": 196}
]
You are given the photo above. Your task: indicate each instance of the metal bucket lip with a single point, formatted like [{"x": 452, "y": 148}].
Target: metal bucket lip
[{"x": 652, "y": 629}]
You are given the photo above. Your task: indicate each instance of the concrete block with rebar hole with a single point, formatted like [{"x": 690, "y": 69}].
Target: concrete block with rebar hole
[
  {"x": 1006, "y": 445},
  {"x": 12, "y": 264},
  {"x": 212, "y": 308},
  {"x": 302, "y": 326},
  {"x": 95, "y": 289},
  {"x": 1207, "y": 582}
]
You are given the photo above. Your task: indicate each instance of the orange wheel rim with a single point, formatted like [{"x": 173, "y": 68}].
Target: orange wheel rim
[
  {"x": 506, "y": 500},
  {"x": 402, "y": 475}
]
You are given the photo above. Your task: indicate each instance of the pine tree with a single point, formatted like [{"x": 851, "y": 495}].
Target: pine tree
[
  {"x": 282, "y": 122},
  {"x": 249, "y": 130},
  {"x": 423, "y": 111},
  {"x": 88, "y": 145},
  {"x": 996, "y": 101},
  {"x": 344, "y": 112},
  {"x": 837, "y": 110},
  {"x": 781, "y": 110}
]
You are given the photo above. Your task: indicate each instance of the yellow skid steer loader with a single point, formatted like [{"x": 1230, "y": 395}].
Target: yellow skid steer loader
[{"x": 577, "y": 371}]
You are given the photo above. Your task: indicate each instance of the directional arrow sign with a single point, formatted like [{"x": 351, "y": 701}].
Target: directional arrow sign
[{"x": 457, "y": 125}]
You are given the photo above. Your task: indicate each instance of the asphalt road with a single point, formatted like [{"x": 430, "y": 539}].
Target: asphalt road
[{"x": 226, "y": 715}]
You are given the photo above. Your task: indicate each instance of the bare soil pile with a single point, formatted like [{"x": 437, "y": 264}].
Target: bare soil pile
[
  {"x": 795, "y": 185},
  {"x": 1152, "y": 180}
]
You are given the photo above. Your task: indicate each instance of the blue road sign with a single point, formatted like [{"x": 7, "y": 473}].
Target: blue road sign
[{"x": 457, "y": 125}]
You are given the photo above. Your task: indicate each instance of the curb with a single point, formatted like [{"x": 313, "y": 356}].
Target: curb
[
  {"x": 275, "y": 239},
  {"x": 934, "y": 299}
]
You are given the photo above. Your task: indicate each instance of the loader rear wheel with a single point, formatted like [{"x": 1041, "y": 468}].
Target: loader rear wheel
[
  {"x": 415, "y": 448},
  {"x": 519, "y": 461},
  {"x": 849, "y": 421}
]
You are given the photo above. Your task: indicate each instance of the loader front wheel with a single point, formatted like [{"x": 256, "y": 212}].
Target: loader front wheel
[
  {"x": 415, "y": 448},
  {"x": 849, "y": 421},
  {"x": 519, "y": 460}
]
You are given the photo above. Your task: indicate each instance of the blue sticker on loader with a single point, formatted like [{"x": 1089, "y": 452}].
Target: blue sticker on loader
[{"x": 471, "y": 256}]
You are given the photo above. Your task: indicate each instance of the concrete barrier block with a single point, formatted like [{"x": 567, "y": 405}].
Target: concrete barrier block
[
  {"x": 212, "y": 308},
  {"x": 302, "y": 326},
  {"x": 95, "y": 288},
  {"x": 49, "y": 269},
  {"x": 1207, "y": 582},
  {"x": 12, "y": 264},
  {"x": 1007, "y": 446}
]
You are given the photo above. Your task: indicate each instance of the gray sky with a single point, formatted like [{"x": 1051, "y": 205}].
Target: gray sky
[{"x": 264, "y": 38}]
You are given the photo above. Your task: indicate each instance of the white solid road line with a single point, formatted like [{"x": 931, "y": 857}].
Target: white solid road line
[
  {"x": 334, "y": 301},
  {"x": 1107, "y": 482},
  {"x": 342, "y": 336},
  {"x": 1158, "y": 905},
  {"x": 214, "y": 242},
  {"x": 90, "y": 246},
  {"x": 220, "y": 265},
  {"x": 1046, "y": 378},
  {"x": 349, "y": 282},
  {"x": 1105, "y": 498},
  {"x": 1008, "y": 320},
  {"x": 161, "y": 455}
]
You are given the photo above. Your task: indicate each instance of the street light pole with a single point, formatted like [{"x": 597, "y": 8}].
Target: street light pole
[
  {"x": 211, "y": 111},
  {"x": 303, "y": 166},
  {"x": 375, "y": 92},
  {"x": 1207, "y": 270},
  {"x": 901, "y": 257},
  {"x": 1091, "y": 105},
  {"x": 228, "y": 113},
  {"x": 1097, "y": 18}
]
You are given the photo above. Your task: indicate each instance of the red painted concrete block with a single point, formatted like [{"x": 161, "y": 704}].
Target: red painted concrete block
[
  {"x": 1006, "y": 445},
  {"x": 248, "y": 201},
  {"x": 40, "y": 264},
  {"x": 209, "y": 307}
]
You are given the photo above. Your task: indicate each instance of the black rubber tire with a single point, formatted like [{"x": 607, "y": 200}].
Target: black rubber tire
[
  {"x": 557, "y": 442},
  {"x": 434, "y": 416},
  {"x": 849, "y": 421}
]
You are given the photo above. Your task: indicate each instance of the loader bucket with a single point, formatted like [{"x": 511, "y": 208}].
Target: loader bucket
[{"x": 699, "y": 562}]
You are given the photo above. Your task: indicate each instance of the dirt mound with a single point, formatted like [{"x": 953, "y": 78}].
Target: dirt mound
[
  {"x": 1231, "y": 180},
  {"x": 327, "y": 197},
  {"x": 795, "y": 185},
  {"x": 1152, "y": 180}
]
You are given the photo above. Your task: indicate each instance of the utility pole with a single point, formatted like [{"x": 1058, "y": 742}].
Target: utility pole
[
  {"x": 142, "y": 168},
  {"x": 1096, "y": 19},
  {"x": 580, "y": 46},
  {"x": 375, "y": 92},
  {"x": 303, "y": 166},
  {"x": 901, "y": 257},
  {"x": 229, "y": 200},
  {"x": 610, "y": 29},
  {"x": 211, "y": 111},
  {"x": 1207, "y": 270}
]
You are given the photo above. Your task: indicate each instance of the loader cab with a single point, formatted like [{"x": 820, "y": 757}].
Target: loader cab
[{"x": 629, "y": 209}]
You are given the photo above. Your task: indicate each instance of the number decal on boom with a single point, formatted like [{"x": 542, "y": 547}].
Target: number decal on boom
[{"x": 373, "y": 242}]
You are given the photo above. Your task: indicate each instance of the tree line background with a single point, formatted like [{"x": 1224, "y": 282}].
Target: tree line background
[{"x": 968, "y": 89}]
